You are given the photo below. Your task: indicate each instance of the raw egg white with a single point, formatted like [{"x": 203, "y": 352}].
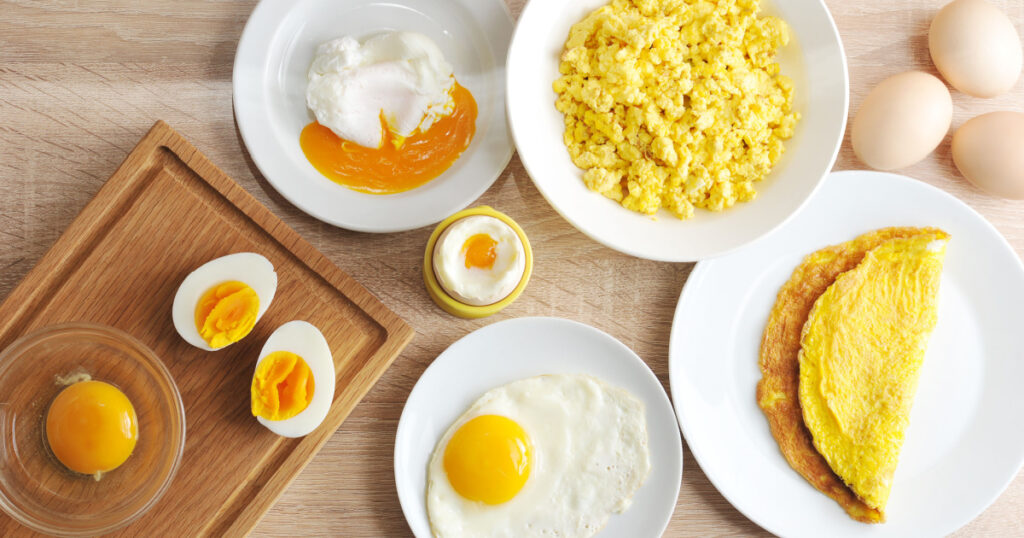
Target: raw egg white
[
  {"x": 902, "y": 120},
  {"x": 552, "y": 455},
  {"x": 293, "y": 385},
  {"x": 975, "y": 47},
  {"x": 223, "y": 298},
  {"x": 989, "y": 151},
  {"x": 479, "y": 260}
]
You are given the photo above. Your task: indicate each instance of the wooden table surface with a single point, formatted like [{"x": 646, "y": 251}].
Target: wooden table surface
[{"x": 81, "y": 82}]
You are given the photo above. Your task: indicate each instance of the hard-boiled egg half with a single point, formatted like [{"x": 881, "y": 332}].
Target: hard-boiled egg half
[
  {"x": 293, "y": 385},
  {"x": 220, "y": 302}
]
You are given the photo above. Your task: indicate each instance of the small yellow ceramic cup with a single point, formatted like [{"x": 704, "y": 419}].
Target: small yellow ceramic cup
[{"x": 445, "y": 301}]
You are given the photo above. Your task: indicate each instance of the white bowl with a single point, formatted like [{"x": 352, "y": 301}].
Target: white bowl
[
  {"x": 815, "y": 53},
  {"x": 269, "y": 83}
]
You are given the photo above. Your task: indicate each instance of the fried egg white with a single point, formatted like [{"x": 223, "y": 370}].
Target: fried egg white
[{"x": 552, "y": 455}]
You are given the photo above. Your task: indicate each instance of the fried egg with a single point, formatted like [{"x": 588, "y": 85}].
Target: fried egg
[
  {"x": 552, "y": 455},
  {"x": 479, "y": 260},
  {"x": 293, "y": 385},
  {"x": 219, "y": 303}
]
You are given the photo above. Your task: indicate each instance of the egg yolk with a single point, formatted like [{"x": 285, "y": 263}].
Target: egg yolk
[
  {"x": 400, "y": 164},
  {"x": 488, "y": 459},
  {"x": 226, "y": 313},
  {"x": 91, "y": 427},
  {"x": 282, "y": 387},
  {"x": 480, "y": 251}
]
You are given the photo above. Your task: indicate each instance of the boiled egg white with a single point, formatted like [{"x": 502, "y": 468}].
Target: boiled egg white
[
  {"x": 219, "y": 303},
  {"x": 479, "y": 260},
  {"x": 552, "y": 455},
  {"x": 293, "y": 385}
]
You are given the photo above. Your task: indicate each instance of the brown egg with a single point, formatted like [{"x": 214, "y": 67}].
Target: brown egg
[
  {"x": 975, "y": 47},
  {"x": 902, "y": 120},
  {"x": 989, "y": 151}
]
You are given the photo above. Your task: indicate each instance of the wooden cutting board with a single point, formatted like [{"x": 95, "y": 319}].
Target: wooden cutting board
[{"x": 164, "y": 212}]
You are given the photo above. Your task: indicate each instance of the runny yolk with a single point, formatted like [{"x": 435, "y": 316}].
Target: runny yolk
[
  {"x": 91, "y": 427},
  {"x": 488, "y": 459},
  {"x": 399, "y": 164},
  {"x": 226, "y": 313},
  {"x": 282, "y": 387},
  {"x": 480, "y": 251}
]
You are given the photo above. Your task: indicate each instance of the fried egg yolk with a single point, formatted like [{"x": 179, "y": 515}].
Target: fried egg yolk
[
  {"x": 91, "y": 427},
  {"x": 282, "y": 387},
  {"x": 400, "y": 163},
  {"x": 479, "y": 251},
  {"x": 488, "y": 459},
  {"x": 226, "y": 313}
]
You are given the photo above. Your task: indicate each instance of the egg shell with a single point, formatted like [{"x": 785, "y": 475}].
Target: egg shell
[
  {"x": 305, "y": 340},
  {"x": 975, "y": 47},
  {"x": 902, "y": 120},
  {"x": 253, "y": 269},
  {"x": 989, "y": 151}
]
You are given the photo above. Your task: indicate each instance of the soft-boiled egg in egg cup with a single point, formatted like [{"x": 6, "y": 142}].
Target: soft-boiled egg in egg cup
[
  {"x": 219, "y": 303},
  {"x": 293, "y": 385},
  {"x": 477, "y": 262}
]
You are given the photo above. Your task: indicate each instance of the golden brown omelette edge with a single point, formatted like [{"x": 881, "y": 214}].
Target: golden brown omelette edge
[{"x": 778, "y": 391}]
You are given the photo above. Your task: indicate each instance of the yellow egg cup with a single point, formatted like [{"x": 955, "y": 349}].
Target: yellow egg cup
[{"x": 450, "y": 304}]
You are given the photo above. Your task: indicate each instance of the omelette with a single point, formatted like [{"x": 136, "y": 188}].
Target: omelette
[{"x": 815, "y": 361}]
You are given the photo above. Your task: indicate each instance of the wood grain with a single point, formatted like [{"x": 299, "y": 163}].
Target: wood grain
[
  {"x": 164, "y": 212},
  {"x": 80, "y": 82}
]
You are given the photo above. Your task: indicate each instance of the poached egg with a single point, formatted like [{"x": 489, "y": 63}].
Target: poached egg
[{"x": 400, "y": 76}]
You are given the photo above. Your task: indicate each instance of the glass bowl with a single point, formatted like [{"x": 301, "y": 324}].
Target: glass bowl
[{"x": 35, "y": 488}]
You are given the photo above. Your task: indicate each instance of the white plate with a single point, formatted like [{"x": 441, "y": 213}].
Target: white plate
[
  {"x": 524, "y": 347},
  {"x": 269, "y": 83},
  {"x": 964, "y": 443},
  {"x": 814, "y": 54}
]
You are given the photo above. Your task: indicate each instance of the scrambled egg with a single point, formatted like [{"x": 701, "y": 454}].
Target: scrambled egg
[
  {"x": 861, "y": 352},
  {"x": 675, "y": 103}
]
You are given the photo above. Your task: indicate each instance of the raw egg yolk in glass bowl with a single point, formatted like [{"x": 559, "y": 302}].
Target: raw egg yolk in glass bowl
[{"x": 91, "y": 427}]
